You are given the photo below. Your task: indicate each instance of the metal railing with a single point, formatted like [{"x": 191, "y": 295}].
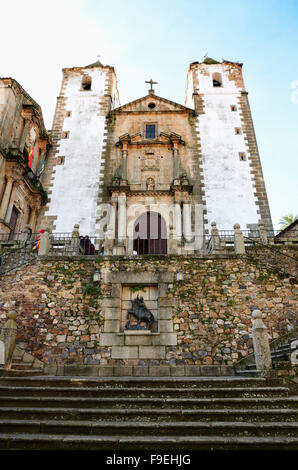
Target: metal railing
[
  {"x": 282, "y": 262},
  {"x": 16, "y": 257},
  {"x": 10, "y": 239},
  {"x": 67, "y": 243},
  {"x": 92, "y": 245}
]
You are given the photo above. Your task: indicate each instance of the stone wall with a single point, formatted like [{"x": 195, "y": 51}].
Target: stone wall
[{"x": 62, "y": 313}]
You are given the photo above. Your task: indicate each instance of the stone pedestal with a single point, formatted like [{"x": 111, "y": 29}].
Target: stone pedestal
[
  {"x": 238, "y": 241},
  {"x": 261, "y": 343},
  {"x": 44, "y": 246}
]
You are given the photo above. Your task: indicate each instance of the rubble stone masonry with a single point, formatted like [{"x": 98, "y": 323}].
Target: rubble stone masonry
[{"x": 62, "y": 315}]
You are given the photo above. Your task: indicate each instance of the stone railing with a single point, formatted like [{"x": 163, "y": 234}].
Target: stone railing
[
  {"x": 74, "y": 244},
  {"x": 7, "y": 340},
  {"x": 219, "y": 241},
  {"x": 264, "y": 348}
]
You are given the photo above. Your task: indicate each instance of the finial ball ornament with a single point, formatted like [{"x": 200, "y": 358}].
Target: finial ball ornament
[
  {"x": 12, "y": 314},
  {"x": 257, "y": 314}
]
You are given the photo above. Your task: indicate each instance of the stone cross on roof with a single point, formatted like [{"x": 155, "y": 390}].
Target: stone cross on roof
[{"x": 151, "y": 91}]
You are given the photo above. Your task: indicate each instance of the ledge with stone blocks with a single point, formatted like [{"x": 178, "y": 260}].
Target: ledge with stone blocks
[{"x": 139, "y": 371}]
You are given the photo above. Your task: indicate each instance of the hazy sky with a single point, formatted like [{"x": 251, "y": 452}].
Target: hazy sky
[{"x": 158, "y": 39}]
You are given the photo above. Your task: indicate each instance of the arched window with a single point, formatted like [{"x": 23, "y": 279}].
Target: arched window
[
  {"x": 217, "y": 79},
  {"x": 86, "y": 82}
]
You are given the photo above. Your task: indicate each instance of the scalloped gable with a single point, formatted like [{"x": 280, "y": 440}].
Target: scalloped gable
[{"x": 160, "y": 104}]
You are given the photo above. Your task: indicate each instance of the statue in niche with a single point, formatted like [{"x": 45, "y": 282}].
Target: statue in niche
[
  {"x": 150, "y": 184},
  {"x": 140, "y": 312},
  {"x": 184, "y": 179}
]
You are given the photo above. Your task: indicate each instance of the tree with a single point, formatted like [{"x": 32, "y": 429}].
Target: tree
[{"x": 287, "y": 220}]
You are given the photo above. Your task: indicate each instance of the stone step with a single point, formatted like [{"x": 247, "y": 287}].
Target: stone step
[
  {"x": 17, "y": 372},
  {"x": 87, "y": 391},
  {"x": 172, "y": 428},
  {"x": 248, "y": 373},
  {"x": 280, "y": 355},
  {"x": 149, "y": 402},
  {"x": 21, "y": 366},
  {"x": 121, "y": 382},
  {"x": 117, "y": 442},
  {"x": 147, "y": 414}
]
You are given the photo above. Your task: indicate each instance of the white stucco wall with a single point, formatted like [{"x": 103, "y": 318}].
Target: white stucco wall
[
  {"x": 189, "y": 102},
  {"x": 76, "y": 183},
  {"x": 229, "y": 191}
]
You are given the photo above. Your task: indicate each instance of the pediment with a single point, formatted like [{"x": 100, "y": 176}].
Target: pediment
[
  {"x": 163, "y": 137},
  {"x": 152, "y": 103}
]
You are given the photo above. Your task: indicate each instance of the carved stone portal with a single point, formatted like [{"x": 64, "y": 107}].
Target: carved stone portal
[{"x": 140, "y": 312}]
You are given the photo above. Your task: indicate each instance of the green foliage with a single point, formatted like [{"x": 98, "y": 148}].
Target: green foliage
[
  {"x": 287, "y": 220},
  {"x": 137, "y": 288},
  {"x": 91, "y": 290},
  {"x": 44, "y": 194}
]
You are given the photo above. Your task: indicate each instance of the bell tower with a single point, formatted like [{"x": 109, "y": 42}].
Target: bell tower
[
  {"x": 74, "y": 167},
  {"x": 233, "y": 180}
]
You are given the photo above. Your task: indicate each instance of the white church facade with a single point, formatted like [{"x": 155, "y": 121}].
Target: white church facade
[{"x": 141, "y": 175}]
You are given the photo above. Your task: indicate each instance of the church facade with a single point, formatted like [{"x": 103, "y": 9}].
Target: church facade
[{"x": 152, "y": 175}]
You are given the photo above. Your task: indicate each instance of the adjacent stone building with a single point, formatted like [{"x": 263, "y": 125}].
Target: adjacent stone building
[
  {"x": 23, "y": 147},
  {"x": 289, "y": 232}
]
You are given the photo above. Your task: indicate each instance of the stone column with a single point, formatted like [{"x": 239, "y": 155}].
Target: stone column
[
  {"x": 33, "y": 215},
  {"x": 75, "y": 239},
  {"x": 178, "y": 221},
  {"x": 44, "y": 246},
  {"x": 238, "y": 241},
  {"x": 175, "y": 163},
  {"x": 263, "y": 233},
  {"x": 15, "y": 186},
  {"x": 112, "y": 216},
  {"x": 124, "y": 164},
  {"x": 215, "y": 238},
  {"x": 261, "y": 343},
  {"x": 187, "y": 220},
  {"x": 6, "y": 197},
  {"x": 8, "y": 337},
  {"x": 109, "y": 241},
  {"x": 122, "y": 218},
  {"x": 173, "y": 243}
]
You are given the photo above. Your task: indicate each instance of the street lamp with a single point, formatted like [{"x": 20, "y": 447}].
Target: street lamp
[{"x": 96, "y": 276}]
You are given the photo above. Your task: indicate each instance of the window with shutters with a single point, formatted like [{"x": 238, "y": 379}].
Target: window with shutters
[{"x": 150, "y": 131}]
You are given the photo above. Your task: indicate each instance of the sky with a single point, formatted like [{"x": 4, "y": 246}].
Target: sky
[{"x": 158, "y": 39}]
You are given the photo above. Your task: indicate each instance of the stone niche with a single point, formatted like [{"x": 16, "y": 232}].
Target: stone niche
[
  {"x": 138, "y": 344},
  {"x": 150, "y": 296}
]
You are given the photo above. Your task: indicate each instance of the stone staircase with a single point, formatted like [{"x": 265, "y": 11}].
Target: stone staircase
[
  {"x": 280, "y": 353},
  {"x": 146, "y": 413}
]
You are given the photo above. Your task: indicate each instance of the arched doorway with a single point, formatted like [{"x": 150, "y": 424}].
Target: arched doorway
[{"x": 150, "y": 234}]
